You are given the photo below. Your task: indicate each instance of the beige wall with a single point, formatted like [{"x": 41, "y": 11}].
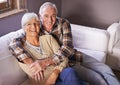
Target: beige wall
[{"x": 95, "y": 13}]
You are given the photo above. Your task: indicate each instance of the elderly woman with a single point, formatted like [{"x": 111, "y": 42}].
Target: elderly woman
[{"x": 35, "y": 55}]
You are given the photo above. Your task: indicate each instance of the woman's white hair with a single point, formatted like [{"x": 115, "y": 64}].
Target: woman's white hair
[
  {"x": 28, "y": 16},
  {"x": 47, "y": 4}
]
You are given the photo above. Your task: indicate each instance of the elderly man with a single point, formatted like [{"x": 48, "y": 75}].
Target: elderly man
[{"x": 90, "y": 70}]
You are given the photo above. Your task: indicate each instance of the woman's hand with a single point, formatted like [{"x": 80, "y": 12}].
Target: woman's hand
[
  {"x": 41, "y": 64},
  {"x": 38, "y": 76},
  {"x": 38, "y": 70},
  {"x": 38, "y": 67},
  {"x": 53, "y": 77}
]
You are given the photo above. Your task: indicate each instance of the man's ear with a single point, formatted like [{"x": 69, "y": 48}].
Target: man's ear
[{"x": 39, "y": 16}]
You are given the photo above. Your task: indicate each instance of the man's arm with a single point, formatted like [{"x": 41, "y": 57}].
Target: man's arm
[
  {"x": 17, "y": 50},
  {"x": 66, "y": 49}
]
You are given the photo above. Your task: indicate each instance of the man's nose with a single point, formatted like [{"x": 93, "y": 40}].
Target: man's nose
[{"x": 50, "y": 19}]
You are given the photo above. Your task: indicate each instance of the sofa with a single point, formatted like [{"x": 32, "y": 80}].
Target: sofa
[{"x": 89, "y": 40}]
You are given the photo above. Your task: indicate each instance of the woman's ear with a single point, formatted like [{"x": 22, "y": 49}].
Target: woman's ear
[
  {"x": 24, "y": 29},
  {"x": 40, "y": 17}
]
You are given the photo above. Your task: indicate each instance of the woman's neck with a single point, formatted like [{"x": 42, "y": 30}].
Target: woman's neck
[{"x": 33, "y": 40}]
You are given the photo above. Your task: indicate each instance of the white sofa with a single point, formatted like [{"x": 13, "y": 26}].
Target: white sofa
[{"x": 91, "y": 41}]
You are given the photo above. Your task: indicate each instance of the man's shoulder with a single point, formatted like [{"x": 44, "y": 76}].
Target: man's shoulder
[
  {"x": 19, "y": 40},
  {"x": 62, "y": 20}
]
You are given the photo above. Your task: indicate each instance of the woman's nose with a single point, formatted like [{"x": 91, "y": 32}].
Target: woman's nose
[{"x": 33, "y": 26}]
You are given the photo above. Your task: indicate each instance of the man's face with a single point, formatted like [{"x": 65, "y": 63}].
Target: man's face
[
  {"x": 32, "y": 28},
  {"x": 48, "y": 17}
]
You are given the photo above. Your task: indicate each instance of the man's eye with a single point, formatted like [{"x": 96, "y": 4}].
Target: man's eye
[
  {"x": 46, "y": 16},
  {"x": 54, "y": 16}
]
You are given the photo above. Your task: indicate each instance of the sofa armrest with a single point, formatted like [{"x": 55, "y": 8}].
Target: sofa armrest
[
  {"x": 113, "y": 59},
  {"x": 10, "y": 72},
  {"x": 112, "y": 29}
]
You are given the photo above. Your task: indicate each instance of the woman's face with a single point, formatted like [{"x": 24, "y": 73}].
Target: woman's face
[
  {"x": 48, "y": 17},
  {"x": 32, "y": 28}
]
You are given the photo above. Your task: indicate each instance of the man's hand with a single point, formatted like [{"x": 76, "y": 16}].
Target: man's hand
[{"x": 53, "y": 77}]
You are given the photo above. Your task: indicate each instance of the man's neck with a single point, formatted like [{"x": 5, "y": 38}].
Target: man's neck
[{"x": 48, "y": 29}]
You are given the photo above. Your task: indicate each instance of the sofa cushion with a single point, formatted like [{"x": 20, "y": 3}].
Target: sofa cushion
[{"x": 90, "y": 38}]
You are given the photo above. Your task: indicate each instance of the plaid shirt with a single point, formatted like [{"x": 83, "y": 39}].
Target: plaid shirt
[
  {"x": 62, "y": 33},
  {"x": 16, "y": 48}
]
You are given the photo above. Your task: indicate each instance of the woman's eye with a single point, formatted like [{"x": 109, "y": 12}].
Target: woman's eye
[
  {"x": 36, "y": 23},
  {"x": 28, "y": 24}
]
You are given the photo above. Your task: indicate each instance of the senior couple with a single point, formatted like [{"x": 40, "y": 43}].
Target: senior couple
[{"x": 46, "y": 48}]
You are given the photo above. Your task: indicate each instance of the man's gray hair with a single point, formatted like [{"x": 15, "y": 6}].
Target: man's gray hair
[
  {"x": 28, "y": 16},
  {"x": 46, "y": 4}
]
